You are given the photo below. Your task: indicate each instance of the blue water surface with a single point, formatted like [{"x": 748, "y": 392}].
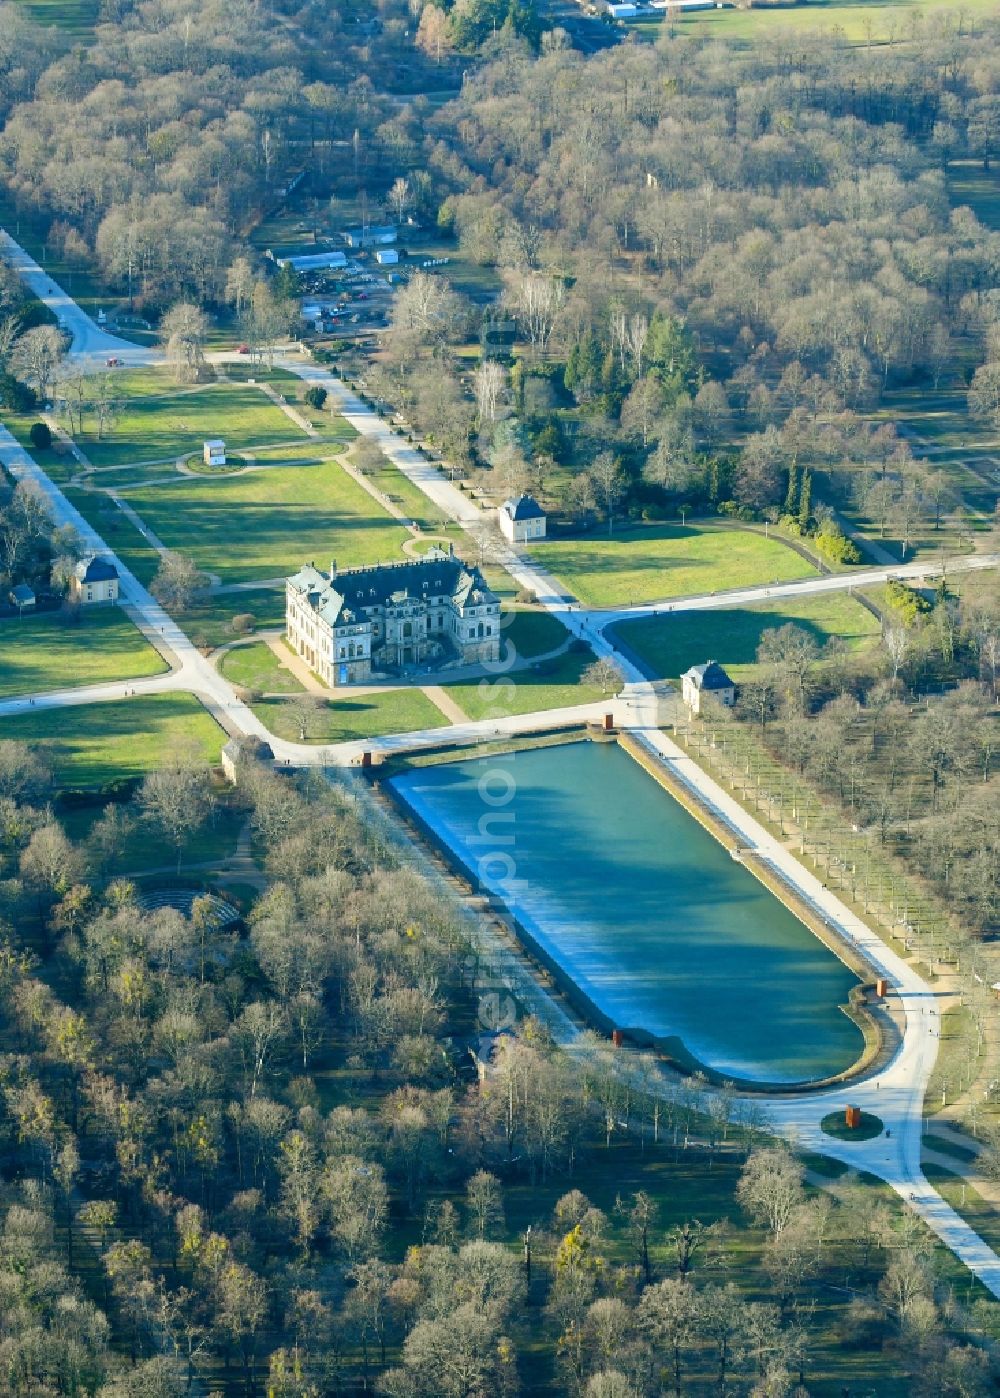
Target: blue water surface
[{"x": 642, "y": 908}]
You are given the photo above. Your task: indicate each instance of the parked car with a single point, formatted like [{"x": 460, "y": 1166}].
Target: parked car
[{"x": 242, "y": 349}]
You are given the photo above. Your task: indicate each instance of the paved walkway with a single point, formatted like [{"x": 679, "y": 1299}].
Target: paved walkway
[
  {"x": 293, "y": 664},
  {"x": 412, "y": 547},
  {"x": 438, "y": 695},
  {"x": 918, "y": 572},
  {"x": 89, "y": 341},
  {"x": 289, "y": 411},
  {"x": 138, "y": 523},
  {"x": 870, "y": 547}
]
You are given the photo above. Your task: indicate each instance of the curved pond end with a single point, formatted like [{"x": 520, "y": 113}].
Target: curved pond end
[{"x": 644, "y": 917}]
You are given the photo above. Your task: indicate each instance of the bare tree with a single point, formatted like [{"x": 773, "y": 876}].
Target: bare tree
[
  {"x": 491, "y": 384},
  {"x": 304, "y": 709},
  {"x": 984, "y": 393},
  {"x": 367, "y": 455},
  {"x": 426, "y": 315},
  {"x": 434, "y": 33},
  {"x": 608, "y": 480},
  {"x": 239, "y": 284},
  {"x": 491, "y": 546},
  {"x": 643, "y": 407},
  {"x": 24, "y": 775},
  {"x": 10, "y": 329},
  {"x": 178, "y": 582},
  {"x": 104, "y": 403},
  {"x": 178, "y": 802},
  {"x": 484, "y": 1201},
  {"x": 908, "y": 509},
  {"x": 770, "y": 1187},
  {"x": 25, "y": 527},
  {"x": 183, "y": 332},
  {"x": 536, "y": 300},
  {"x": 791, "y": 652},
  {"x": 636, "y": 335},
  {"x": 37, "y": 355},
  {"x": 400, "y": 197},
  {"x": 896, "y": 644},
  {"x": 604, "y": 675},
  {"x": 667, "y": 1315}
]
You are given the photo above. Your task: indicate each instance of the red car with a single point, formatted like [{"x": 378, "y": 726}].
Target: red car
[{"x": 242, "y": 349}]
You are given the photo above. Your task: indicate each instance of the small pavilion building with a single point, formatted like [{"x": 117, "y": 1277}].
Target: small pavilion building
[
  {"x": 94, "y": 580},
  {"x": 707, "y": 679},
  {"x": 521, "y": 520},
  {"x": 22, "y": 597}
]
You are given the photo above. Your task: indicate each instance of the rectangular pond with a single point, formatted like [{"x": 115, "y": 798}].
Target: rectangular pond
[{"x": 642, "y": 909}]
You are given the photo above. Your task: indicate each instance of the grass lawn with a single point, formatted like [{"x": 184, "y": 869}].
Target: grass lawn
[
  {"x": 533, "y": 633},
  {"x": 938, "y": 426},
  {"x": 669, "y": 644},
  {"x": 641, "y": 564},
  {"x": 60, "y": 465},
  {"x": 969, "y": 183},
  {"x": 118, "y": 478},
  {"x": 145, "y": 382},
  {"x": 860, "y": 22},
  {"x": 144, "y": 848},
  {"x": 498, "y": 579},
  {"x": 954, "y": 1066},
  {"x": 176, "y": 420},
  {"x": 76, "y": 18},
  {"x": 304, "y": 453},
  {"x": 255, "y": 666},
  {"x": 411, "y": 500},
  {"x": 554, "y": 684},
  {"x": 365, "y": 716},
  {"x": 943, "y": 1145},
  {"x": 93, "y": 745},
  {"x": 45, "y": 652},
  {"x": 983, "y": 1217},
  {"x": 267, "y": 523},
  {"x": 209, "y": 623},
  {"x": 118, "y": 532}
]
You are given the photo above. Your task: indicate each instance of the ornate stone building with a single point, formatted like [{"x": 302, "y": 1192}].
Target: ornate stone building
[{"x": 350, "y": 625}]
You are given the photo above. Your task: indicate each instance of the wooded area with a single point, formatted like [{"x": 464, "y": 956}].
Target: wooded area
[
  {"x": 262, "y": 1158},
  {"x": 318, "y": 1148}
]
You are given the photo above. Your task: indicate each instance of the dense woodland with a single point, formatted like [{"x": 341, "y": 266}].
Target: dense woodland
[
  {"x": 157, "y": 147},
  {"x": 716, "y": 259},
  {"x": 902, "y": 739},
  {"x": 725, "y": 257},
  {"x": 260, "y": 1158}
]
